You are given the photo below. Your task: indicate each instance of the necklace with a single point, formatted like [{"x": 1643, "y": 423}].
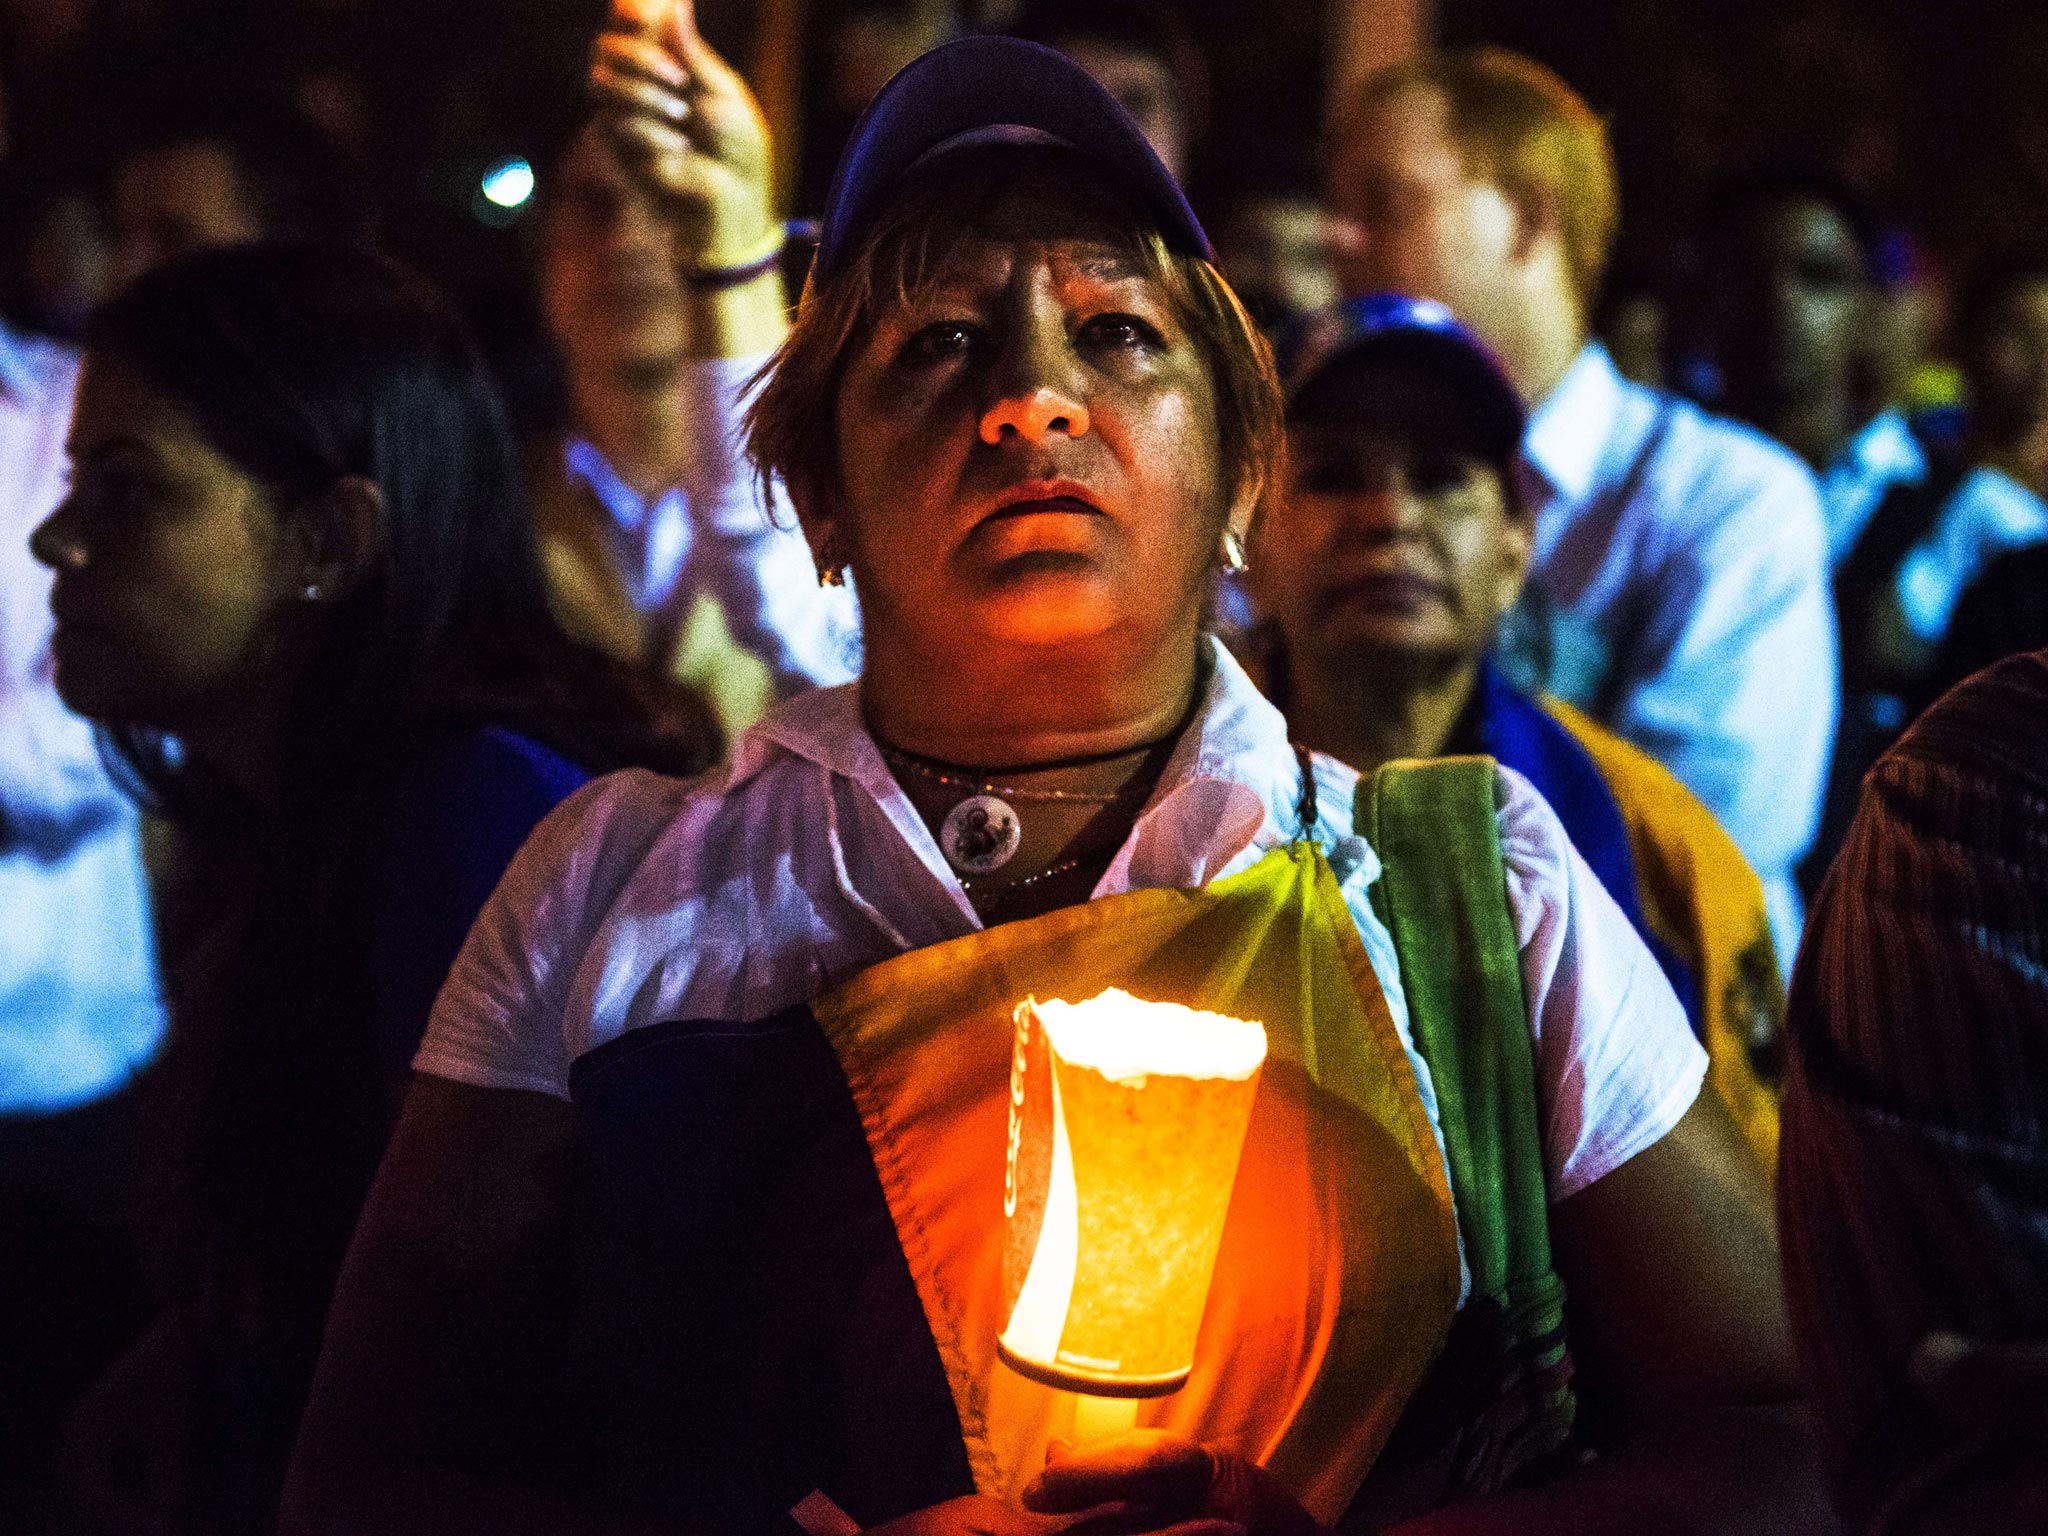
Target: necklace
[
  {"x": 899, "y": 758},
  {"x": 982, "y": 831}
]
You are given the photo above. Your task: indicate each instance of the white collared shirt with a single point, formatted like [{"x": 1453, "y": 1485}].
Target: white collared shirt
[
  {"x": 1883, "y": 455},
  {"x": 1713, "y": 576},
  {"x": 80, "y": 1006},
  {"x": 1990, "y": 514},
  {"x": 712, "y": 535},
  {"x": 801, "y": 862}
]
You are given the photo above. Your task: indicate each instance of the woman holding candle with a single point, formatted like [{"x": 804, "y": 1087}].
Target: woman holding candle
[{"x": 749, "y": 1039}]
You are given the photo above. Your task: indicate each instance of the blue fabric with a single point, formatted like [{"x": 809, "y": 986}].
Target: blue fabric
[
  {"x": 745, "y": 1326},
  {"x": 466, "y": 805},
  {"x": 1509, "y": 726}
]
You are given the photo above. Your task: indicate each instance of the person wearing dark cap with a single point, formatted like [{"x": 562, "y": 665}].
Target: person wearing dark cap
[
  {"x": 1384, "y": 572},
  {"x": 1913, "y": 1191},
  {"x": 733, "y": 1058}
]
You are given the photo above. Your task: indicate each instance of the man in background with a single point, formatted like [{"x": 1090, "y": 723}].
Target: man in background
[
  {"x": 644, "y": 561},
  {"x": 1679, "y": 563}
]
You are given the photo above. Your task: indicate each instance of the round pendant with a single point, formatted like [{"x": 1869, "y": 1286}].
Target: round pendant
[{"x": 980, "y": 834}]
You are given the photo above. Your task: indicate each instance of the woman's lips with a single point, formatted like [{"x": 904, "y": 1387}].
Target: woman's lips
[
  {"x": 1049, "y": 495},
  {"x": 1390, "y": 592},
  {"x": 1031, "y": 506}
]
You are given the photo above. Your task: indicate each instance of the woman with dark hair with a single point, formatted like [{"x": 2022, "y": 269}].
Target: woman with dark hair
[{"x": 297, "y": 589}]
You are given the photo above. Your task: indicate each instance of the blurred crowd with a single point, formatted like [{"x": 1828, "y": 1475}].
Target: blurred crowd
[{"x": 389, "y": 468}]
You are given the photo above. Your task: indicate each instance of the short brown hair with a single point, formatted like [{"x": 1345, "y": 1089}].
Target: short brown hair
[
  {"x": 1519, "y": 126},
  {"x": 790, "y": 426}
]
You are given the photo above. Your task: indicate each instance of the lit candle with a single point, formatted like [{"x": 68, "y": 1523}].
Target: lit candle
[{"x": 1127, "y": 1119}]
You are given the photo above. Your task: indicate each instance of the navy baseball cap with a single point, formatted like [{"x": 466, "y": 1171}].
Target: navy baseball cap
[
  {"x": 1392, "y": 328},
  {"x": 993, "y": 90}
]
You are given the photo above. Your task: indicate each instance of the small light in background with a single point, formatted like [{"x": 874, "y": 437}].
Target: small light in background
[{"x": 504, "y": 191}]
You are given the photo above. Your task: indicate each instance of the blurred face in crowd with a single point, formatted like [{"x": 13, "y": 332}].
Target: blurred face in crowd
[
  {"x": 1276, "y": 253},
  {"x": 1413, "y": 221},
  {"x": 173, "y": 565},
  {"x": 179, "y": 198},
  {"x": 1395, "y": 545},
  {"x": 1028, "y": 448},
  {"x": 2007, "y": 367},
  {"x": 67, "y": 268},
  {"x": 1794, "y": 294},
  {"x": 608, "y": 277},
  {"x": 1143, "y": 86}
]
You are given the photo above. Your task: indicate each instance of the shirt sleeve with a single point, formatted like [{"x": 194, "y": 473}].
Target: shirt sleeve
[
  {"x": 499, "y": 1021},
  {"x": 746, "y": 549},
  {"x": 1617, "y": 1065},
  {"x": 1733, "y": 681}
]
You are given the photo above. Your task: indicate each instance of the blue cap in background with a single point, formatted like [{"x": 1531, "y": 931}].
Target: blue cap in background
[{"x": 1417, "y": 333}]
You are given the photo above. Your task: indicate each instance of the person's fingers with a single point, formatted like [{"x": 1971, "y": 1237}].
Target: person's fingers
[
  {"x": 679, "y": 32},
  {"x": 1135, "y": 1520},
  {"x": 635, "y": 55},
  {"x": 1139, "y": 1468},
  {"x": 630, "y": 97},
  {"x": 668, "y": 155}
]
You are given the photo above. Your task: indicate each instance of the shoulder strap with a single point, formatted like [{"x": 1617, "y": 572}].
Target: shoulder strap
[{"x": 1442, "y": 893}]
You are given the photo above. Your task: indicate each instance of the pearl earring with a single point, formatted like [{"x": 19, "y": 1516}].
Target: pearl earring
[{"x": 1233, "y": 550}]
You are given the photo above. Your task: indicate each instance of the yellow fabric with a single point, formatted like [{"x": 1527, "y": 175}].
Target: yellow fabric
[
  {"x": 1338, "y": 1274},
  {"x": 1699, "y": 896},
  {"x": 590, "y": 600}
]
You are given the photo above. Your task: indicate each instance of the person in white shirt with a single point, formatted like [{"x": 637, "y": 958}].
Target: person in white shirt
[
  {"x": 1680, "y": 556},
  {"x": 1999, "y": 497},
  {"x": 658, "y": 548},
  {"x": 1791, "y": 266},
  {"x": 1025, "y": 410},
  {"x": 80, "y": 1010}
]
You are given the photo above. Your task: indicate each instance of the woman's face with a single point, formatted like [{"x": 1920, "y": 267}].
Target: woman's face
[
  {"x": 1029, "y": 454},
  {"x": 173, "y": 566},
  {"x": 1393, "y": 546}
]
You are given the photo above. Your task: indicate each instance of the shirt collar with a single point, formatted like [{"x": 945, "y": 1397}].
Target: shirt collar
[
  {"x": 1231, "y": 790},
  {"x": 1569, "y": 431},
  {"x": 1886, "y": 448},
  {"x": 586, "y": 463}
]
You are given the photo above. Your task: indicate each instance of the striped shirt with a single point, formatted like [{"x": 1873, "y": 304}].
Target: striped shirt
[{"x": 1913, "y": 1181}]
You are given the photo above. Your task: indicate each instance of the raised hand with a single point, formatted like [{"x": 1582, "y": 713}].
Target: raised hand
[{"x": 684, "y": 123}]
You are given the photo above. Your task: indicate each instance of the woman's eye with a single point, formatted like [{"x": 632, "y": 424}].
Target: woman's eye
[
  {"x": 938, "y": 342},
  {"x": 1328, "y": 474},
  {"x": 1120, "y": 331},
  {"x": 118, "y": 488},
  {"x": 1437, "y": 474}
]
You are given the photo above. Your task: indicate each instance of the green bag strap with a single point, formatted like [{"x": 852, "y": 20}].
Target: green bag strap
[{"x": 1442, "y": 893}]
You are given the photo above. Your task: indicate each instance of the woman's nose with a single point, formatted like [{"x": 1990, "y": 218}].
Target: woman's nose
[
  {"x": 55, "y": 542},
  {"x": 1032, "y": 414}
]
